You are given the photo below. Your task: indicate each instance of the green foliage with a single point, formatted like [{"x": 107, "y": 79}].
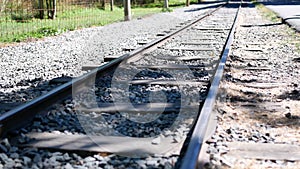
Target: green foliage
[
  {"x": 167, "y": 10},
  {"x": 42, "y": 32},
  {"x": 47, "y": 31},
  {"x": 21, "y": 17}
]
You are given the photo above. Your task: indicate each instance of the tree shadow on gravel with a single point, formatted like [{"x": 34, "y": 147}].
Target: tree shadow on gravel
[
  {"x": 293, "y": 95},
  {"x": 26, "y": 90},
  {"x": 209, "y": 7},
  {"x": 264, "y": 25},
  {"x": 280, "y": 2},
  {"x": 255, "y": 106}
]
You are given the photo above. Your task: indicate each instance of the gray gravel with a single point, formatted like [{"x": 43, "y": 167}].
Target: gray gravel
[
  {"x": 28, "y": 68},
  {"x": 236, "y": 122},
  {"x": 89, "y": 46}
]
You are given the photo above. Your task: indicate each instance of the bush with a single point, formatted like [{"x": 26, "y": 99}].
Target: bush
[
  {"x": 21, "y": 17},
  {"x": 47, "y": 31}
]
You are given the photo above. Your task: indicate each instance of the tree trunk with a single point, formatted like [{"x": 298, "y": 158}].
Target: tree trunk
[
  {"x": 48, "y": 8},
  {"x": 51, "y": 8},
  {"x": 41, "y": 9},
  {"x": 111, "y": 5},
  {"x": 103, "y": 4}
]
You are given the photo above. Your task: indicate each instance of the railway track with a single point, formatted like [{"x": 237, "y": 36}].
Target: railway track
[{"x": 154, "y": 100}]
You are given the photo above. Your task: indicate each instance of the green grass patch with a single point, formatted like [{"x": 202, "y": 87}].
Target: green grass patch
[
  {"x": 21, "y": 26},
  {"x": 13, "y": 30}
]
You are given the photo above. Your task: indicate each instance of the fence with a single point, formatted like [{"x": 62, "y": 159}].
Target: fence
[{"x": 21, "y": 18}]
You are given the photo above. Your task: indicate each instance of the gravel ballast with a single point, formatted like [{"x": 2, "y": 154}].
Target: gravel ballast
[
  {"x": 259, "y": 97},
  {"x": 28, "y": 69},
  {"x": 33, "y": 73}
]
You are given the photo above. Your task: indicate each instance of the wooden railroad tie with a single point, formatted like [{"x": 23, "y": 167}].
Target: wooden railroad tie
[
  {"x": 140, "y": 108},
  {"x": 271, "y": 151},
  {"x": 102, "y": 144},
  {"x": 191, "y": 49}
]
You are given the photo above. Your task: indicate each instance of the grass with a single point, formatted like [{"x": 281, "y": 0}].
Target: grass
[
  {"x": 270, "y": 15},
  {"x": 14, "y": 29},
  {"x": 267, "y": 13}
]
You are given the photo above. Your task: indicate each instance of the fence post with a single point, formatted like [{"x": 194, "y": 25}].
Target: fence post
[
  {"x": 111, "y": 5},
  {"x": 41, "y": 9},
  {"x": 187, "y": 3},
  {"x": 166, "y": 4},
  {"x": 127, "y": 10},
  {"x": 54, "y": 9}
]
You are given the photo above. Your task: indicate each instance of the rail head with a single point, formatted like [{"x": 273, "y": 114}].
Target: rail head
[{"x": 190, "y": 158}]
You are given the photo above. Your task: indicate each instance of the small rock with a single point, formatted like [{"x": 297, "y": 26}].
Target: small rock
[
  {"x": 89, "y": 159},
  {"x": 60, "y": 158},
  {"x": 37, "y": 158},
  {"x": 18, "y": 165},
  {"x": 6, "y": 143},
  {"x": 98, "y": 157},
  {"x": 36, "y": 124},
  {"x": 222, "y": 149},
  {"x": 152, "y": 163},
  {"x": 3, "y": 148},
  {"x": 67, "y": 157},
  {"x": 26, "y": 160},
  {"x": 13, "y": 149},
  {"x": 177, "y": 139},
  {"x": 21, "y": 140},
  {"x": 226, "y": 162},
  {"x": 67, "y": 166},
  {"x": 108, "y": 167},
  {"x": 3, "y": 157},
  {"x": 288, "y": 115},
  {"x": 76, "y": 157},
  {"x": 9, "y": 163},
  {"x": 141, "y": 164},
  {"x": 14, "y": 155},
  {"x": 156, "y": 141},
  {"x": 167, "y": 165}
]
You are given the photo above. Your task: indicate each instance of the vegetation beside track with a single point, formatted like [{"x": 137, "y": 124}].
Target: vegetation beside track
[
  {"x": 272, "y": 16},
  {"x": 16, "y": 29},
  {"x": 267, "y": 13}
]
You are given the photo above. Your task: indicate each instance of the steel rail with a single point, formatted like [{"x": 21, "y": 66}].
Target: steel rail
[
  {"x": 190, "y": 158},
  {"x": 23, "y": 114}
]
